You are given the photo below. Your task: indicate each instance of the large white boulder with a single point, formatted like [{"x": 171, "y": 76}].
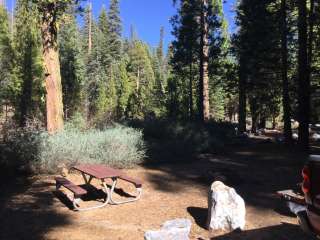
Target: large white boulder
[
  {"x": 177, "y": 229},
  {"x": 227, "y": 209}
]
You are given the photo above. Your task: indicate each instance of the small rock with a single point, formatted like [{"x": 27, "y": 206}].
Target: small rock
[
  {"x": 226, "y": 208},
  {"x": 177, "y": 229}
]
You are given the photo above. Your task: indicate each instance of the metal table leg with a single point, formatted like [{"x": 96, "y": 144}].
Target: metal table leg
[
  {"x": 114, "y": 202},
  {"x": 107, "y": 200}
]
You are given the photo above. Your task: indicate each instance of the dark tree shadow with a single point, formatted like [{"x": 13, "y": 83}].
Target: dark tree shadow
[
  {"x": 27, "y": 208},
  {"x": 256, "y": 172},
  {"x": 284, "y": 231}
]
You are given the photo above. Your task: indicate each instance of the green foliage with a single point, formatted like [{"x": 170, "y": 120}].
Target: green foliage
[
  {"x": 95, "y": 76},
  {"x": 184, "y": 61},
  {"x": 258, "y": 43},
  {"x": 72, "y": 65},
  {"x": 29, "y": 70},
  {"x": 124, "y": 89},
  {"x": 105, "y": 47},
  {"x": 40, "y": 152},
  {"x": 183, "y": 140},
  {"x": 115, "y": 28},
  {"x": 8, "y": 86},
  {"x": 141, "y": 76},
  {"x": 160, "y": 69}
]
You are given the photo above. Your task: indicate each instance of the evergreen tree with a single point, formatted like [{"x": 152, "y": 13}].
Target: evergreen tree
[
  {"x": 72, "y": 65},
  {"x": 8, "y": 89},
  {"x": 95, "y": 76},
  {"x": 285, "y": 82},
  {"x": 124, "y": 88},
  {"x": 50, "y": 13},
  {"x": 204, "y": 105},
  {"x": 160, "y": 73},
  {"x": 142, "y": 77},
  {"x": 29, "y": 70},
  {"x": 258, "y": 47},
  {"x": 115, "y": 29},
  {"x": 86, "y": 31},
  {"x": 105, "y": 47},
  {"x": 185, "y": 53},
  {"x": 304, "y": 80}
]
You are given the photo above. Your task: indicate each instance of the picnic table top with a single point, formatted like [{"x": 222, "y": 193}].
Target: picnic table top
[{"x": 98, "y": 171}]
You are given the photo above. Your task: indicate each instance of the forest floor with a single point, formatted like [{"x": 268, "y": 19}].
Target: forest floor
[{"x": 30, "y": 209}]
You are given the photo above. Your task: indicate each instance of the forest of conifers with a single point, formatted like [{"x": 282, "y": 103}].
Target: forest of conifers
[{"x": 54, "y": 66}]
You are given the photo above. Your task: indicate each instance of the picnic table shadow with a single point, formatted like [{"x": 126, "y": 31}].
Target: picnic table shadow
[{"x": 94, "y": 194}]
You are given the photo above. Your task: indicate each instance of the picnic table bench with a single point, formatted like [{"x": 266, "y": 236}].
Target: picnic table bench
[
  {"x": 291, "y": 196},
  {"x": 101, "y": 173}
]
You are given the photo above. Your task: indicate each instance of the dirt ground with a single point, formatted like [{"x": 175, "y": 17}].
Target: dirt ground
[{"x": 31, "y": 209}]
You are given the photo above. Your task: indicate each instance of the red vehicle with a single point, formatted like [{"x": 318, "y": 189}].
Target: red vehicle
[{"x": 308, "y": 201}]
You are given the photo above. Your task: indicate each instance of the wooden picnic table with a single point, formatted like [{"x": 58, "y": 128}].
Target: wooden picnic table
[
  {"x": 97, "y": 171},
  {"x": 101, "y": 173}
]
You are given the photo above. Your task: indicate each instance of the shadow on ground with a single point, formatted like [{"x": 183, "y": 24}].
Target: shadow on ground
[
  {"x": 257, "y": 172},
  {"x": 199, "y": 215},
  {"x": 27, "y": 213},
  {"x": 284, "y": 231}
]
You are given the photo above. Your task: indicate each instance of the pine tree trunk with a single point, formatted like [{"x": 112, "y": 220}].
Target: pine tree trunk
[
  {"x": 285, "y": 82},
  {"x": 262, "y": 123},
  {"x": 304, "y": 81},
  {"x": 204, "y": 106},
  {"x": 311, "y": 37},
  {"x": 26, "y": 97},
  {"x": 242, "y": 99},
  {"x": 254, "y": 115},
  {"x": 190, "y": 90},
  {"x": 52, "y": 70},
  {"x": 274, "y": 124}
]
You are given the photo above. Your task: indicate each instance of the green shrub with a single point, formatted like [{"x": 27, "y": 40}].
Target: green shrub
[
  {"x": 119, "y": 146},
  {"x": 182, "y": 140}
]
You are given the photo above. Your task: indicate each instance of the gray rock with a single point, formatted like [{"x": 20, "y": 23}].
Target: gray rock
[
  {"x": 227, "y": 210},
  {"x": 177, "y": 229}
]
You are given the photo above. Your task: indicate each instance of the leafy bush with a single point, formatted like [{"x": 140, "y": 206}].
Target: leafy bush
[
  {"x": 182, "y": 140},
  {"x": 118, "y": 147}
]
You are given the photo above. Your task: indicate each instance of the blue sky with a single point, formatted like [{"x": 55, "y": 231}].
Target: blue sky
[{"x": 147, "y": 16}]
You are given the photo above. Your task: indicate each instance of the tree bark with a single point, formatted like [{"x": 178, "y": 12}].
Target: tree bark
[
  {"x": 262, "y": 123},
  {"x": 52, "y": 69},
  {"x": 285, "y": 82},
  {"x": 311, "y": 37},
  {"x": 304, "y": 80},
  {"x": 254, "y": 115},
  {"x": 26, "y": 97},
  {"x": 242, "y": 98},
  {"x": 190, "y": 89},
  {"x": 204, "y": 105}
]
